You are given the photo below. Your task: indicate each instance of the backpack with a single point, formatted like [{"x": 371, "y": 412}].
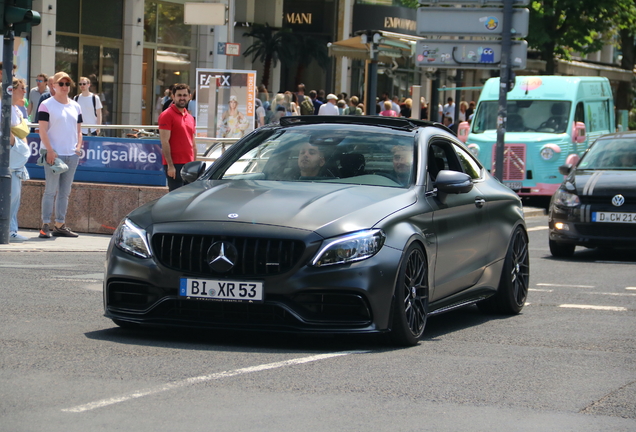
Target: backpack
[
  {"x": 307, "y": 107},
  {"x": 76, "y": 97}
]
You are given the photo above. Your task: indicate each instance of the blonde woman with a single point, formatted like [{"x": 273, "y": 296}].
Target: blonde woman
[
  {"x": 60, "y": 119},
  {"x": 17, "y": 160}
]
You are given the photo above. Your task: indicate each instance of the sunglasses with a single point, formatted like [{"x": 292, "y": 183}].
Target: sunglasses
[
  {"x": 39, "y": 80},
  {"x": 64, "y": 83},
  {"x": 83, "y": 83}
]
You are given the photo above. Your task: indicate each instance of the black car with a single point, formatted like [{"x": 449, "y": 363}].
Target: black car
[
  {"x": 595, "y": 206},
  {"x": 342, "y": 224}
]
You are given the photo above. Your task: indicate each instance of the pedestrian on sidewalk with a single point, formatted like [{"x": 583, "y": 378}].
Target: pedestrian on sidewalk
[
  {"x": 91, "y": 107},
  {"x": 60, "y": 119},
  {"x": 17, "y": 160},
  {"x": 36, "y": 93},
  {"x": 176, "y": 130}
]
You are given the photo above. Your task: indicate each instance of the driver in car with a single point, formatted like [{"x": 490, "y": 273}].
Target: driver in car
[
  {"x": 311, "y": 159},
  {"x": 402, "y": 163}
]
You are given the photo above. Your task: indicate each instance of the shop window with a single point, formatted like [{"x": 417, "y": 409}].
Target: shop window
[
  {"x": 67, "y": 55},
  {"x": 171, "y": 29},
  {"x": 68, "y": 18},
  {"x": 93, "y": 22},
  {"x": 87, "y": 17},
  {"x": 150, "y": 22}
]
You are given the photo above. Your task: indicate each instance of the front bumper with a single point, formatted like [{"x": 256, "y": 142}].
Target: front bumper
[
  {"x": 575, "y": 226},
  {"x": 352, "y": 298}
]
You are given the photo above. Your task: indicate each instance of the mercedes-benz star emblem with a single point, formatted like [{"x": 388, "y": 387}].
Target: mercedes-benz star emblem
[
  {"x": 618, "y": 200},
  {"x": 222, "y": 256}
]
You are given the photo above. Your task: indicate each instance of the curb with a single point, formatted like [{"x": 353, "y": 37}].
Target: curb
[{"x": 533, "y": 211}]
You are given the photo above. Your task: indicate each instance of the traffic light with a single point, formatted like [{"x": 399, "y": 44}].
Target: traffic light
[{"x": 19, "y": 14}]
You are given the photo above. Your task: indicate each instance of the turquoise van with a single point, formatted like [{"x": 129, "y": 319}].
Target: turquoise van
[{"x": 551, "y": 121}]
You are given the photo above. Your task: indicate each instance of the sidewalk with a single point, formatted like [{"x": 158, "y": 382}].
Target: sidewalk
[
  {"x": 99, "y": 242},
  {"x": 83, "y": 243}
]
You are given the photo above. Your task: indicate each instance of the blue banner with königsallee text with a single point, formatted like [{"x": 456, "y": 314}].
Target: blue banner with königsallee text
[{"x": 131, "y": 161}]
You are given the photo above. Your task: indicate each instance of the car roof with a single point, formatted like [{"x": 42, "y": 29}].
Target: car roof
[
  {"x": 625, "y": 134},
  {"x": 406, "y": 124}
]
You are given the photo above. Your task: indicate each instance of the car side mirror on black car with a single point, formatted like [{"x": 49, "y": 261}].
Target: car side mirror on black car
[
  {"x": 452, "y": 182},
  {"x": 565, "y": 169},
  {"x": 192, "y": 171}
]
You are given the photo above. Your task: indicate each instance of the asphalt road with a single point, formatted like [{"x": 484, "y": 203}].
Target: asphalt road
[{"x": 566, "y": 363}]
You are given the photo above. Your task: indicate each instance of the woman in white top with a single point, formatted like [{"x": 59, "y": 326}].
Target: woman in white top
[
  {"x": 60, "y": 119},
  {"x": 17, "y": 159}
]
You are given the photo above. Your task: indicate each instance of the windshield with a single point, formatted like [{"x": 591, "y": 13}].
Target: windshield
[
  {"x": 610, "y": 154},
  {"x": 327, "y": 153},
  {"x": 524, "y": 116}
]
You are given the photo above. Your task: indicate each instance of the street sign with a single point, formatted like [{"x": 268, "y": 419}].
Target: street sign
[
  {"x": 472, "y": 2},
  {"x": 462, "y": 54},
  {"x": 204, "y": 14},
  {"x": 469, "y": 21},
  {"x": 233, "y": 49}
]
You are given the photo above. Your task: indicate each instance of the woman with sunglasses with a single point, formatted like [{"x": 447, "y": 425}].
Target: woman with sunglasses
[{"x": 60, "y": 120}]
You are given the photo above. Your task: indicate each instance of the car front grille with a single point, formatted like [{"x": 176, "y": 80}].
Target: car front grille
[
  {"x": 256, "y": 256},
  {"x": 514, "y": 161}
]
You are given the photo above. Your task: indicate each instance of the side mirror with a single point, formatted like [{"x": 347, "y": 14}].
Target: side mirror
[
  {"x": 192, "y": 171},
  {"x": 452, "y": 182},
  {"x": 462, "y": 131},
  {"x": 565, "y": 169},
  {"x": 579, "y": 133}
]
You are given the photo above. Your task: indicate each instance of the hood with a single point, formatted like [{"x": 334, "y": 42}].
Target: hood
[
  {"x": 326, "y": 208},
  {"x": 605, "y": 183}
]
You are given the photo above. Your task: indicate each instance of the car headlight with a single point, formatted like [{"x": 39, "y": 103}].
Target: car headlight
[
  {"x": 566, "y": 199},
  {"x": 349, "y": 248},
  {"x": 548, "y": 151},
  {"x": 474, "y": 149},
  {"x": 132, "y": 239}
]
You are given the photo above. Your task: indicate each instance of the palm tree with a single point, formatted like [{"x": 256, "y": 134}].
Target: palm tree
[
  {"x": 307, "y": 49},
  {"x": 270, "y": 45}
]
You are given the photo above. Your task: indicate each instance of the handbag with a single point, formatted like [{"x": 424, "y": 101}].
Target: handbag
[
  {"x": 21, "y": 130},
  {"x": 19, "y": 154}
]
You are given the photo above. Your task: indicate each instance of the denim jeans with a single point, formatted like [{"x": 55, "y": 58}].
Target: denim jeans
[
  {"x": 60, "y": 185},
  {"x": 16, "y": 191}
]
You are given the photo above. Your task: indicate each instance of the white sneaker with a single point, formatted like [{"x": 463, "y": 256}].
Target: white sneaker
[{"x": 17, "y": 238}]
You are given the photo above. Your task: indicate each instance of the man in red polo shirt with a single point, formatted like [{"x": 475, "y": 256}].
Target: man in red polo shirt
[{"x": 176, "y": 130}]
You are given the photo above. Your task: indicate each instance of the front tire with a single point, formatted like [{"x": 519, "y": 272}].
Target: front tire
[
  {"x": 515, "y": 279},
  {"x": 561, "y": 250},
  {"x": 410, "y": 304}
]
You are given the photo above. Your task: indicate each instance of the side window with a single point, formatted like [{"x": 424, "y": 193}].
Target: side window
[
  {"x": 470, "y": 165},
  {"x": 441, "y": 156},
  {"x": 579, "y": 114}
]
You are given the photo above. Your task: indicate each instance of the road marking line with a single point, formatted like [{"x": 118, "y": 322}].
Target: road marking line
[
  {"x": 538, "y": 228},
  {"x": 539, "y": 290},
  {"x": 204, "y": 378},
  {"x": 566, "y": 286},
  {"x": 630, "y": 288},
  {"x": 613, "y": 294},
  {"x": 605, "y": 308}
]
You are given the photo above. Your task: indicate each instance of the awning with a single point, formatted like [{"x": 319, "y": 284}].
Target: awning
[{"x": 389, "y": 45}]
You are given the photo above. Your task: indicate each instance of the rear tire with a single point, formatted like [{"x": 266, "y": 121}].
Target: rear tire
[
  {"x": 410, "y": 303},
  {"x": 561, "y": 250},
  {"x": 515, "y": 279}
]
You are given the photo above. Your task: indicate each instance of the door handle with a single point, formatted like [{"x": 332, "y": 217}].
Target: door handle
[{"x": 480, "y": 202}]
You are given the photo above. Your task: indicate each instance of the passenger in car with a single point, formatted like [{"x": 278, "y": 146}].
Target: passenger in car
[{"x": 310, "y": 159}]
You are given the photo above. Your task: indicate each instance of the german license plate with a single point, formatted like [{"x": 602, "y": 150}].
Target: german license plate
[
  {"x": 236, "y": 291},
  {"x": 514, "y": 185},
  {"x": 614, "y": 217}
]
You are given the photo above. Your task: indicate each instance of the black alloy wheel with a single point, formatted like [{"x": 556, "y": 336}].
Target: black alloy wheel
[
  {"x": 515, "y": 278},
  {"x": 561, "y": 250},
  {"x": 410, "y": 305}
]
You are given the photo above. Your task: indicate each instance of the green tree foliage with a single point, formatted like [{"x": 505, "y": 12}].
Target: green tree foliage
[
  {"x": 307, "y": 49},
  {"x": 270, "y": 46},
  {"x": 559, "y": 28}
]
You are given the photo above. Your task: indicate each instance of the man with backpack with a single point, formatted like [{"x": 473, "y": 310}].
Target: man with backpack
[{"x": 91, "y": 107}]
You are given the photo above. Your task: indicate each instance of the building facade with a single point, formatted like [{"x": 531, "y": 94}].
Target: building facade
[{"x": 132, "y": 50}]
